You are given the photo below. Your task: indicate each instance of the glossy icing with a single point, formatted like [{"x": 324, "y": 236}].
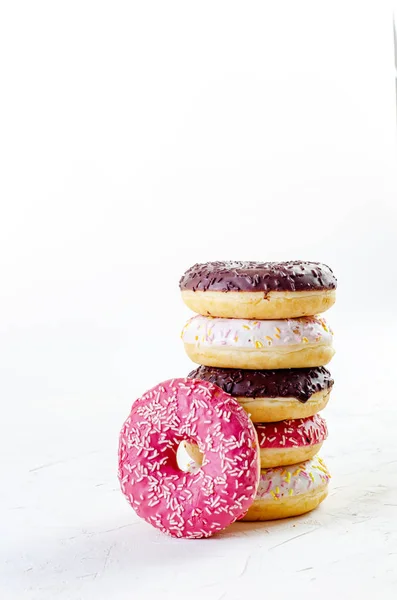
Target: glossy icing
[
  {"x": 259, "y": 335},
  {"x": 282, "y": 482},
  {"x": 276, "y": 383},
  {"x": 249, "y": 276},
  {"x": 292, "y": 433}
]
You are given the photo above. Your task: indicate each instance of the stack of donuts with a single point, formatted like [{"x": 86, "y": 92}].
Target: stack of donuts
[
  {"x": 259, "y": 338},
  {"x": 247, "y": 417}
]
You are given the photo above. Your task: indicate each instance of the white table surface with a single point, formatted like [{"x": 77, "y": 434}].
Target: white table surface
[{"x": 68, "y": 533}]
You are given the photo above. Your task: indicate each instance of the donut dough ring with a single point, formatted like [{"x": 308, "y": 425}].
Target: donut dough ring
[
  {"x": 278, "y": 457},
  {"x": 268, "y": 410},
  {"x": 259, "y": 305},
  {"x": 288, "y": 357}
]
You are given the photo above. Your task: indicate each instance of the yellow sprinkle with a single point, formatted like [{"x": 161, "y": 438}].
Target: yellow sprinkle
[
  {"x": 296, "y": 472},
  {"x": 277, "y": 489},
  {"x": 288, "y": 477},
  {"x": 196, "y": 338},
  {"x": 305, "y": 339},
  {"x": 258, "y": 344},
  {"x": 269, "y": 338},
  {"x": 311, "y": 476},
  {"x": 323, "y": 470},
  {"x": 236, "y": 338},
  {"x": 273, "y": 494},
  {"x": 246, "y": 327},
  {"x": 255, "y": 323},
  {"x": 291, "y": 492},
  {"x": 278, "y": 330},
  {"x": 277, "y": 336}
]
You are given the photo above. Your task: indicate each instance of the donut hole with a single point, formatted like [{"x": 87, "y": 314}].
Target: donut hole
[{"x": 188, "y": 457}]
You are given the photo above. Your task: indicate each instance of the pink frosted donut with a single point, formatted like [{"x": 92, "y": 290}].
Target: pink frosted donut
[
  {"x": 290, "y": 442},
  {"x": 181, "y": 504}
]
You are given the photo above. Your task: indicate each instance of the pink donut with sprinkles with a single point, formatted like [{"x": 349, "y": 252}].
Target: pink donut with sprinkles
[
  {"x": 290, "y": 442},
  {"x": 188, "y": 504}
]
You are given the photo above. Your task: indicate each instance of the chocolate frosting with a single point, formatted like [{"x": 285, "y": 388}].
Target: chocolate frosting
[
  {"x": 240, "y": 276},
  {"x": 284, "y": 383}
]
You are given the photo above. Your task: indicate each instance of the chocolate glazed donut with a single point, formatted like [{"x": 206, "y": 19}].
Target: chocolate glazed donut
[
  {"x": 285, "y": 383},
  {"x": 259, "y": 290},
  {"x": 273, "y": 395}
]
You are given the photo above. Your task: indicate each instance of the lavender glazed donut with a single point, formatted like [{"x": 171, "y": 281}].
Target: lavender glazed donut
[
  {"x": 258, "y": 290},
  {"x": 290, "y": 442},
  {"x": 289, "y": 491},
  {"x": 250, "y": 344},
  {"x": 204, "y": 501},
  {"x": 273, "y": 395}
]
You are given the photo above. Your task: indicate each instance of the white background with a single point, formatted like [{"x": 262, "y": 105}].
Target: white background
[{"x": 136, "y": 139}]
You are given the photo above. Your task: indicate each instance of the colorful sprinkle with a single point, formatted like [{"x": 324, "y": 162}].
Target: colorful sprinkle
[
  {"x": 296, "y": 480},
  {"x": 238, "y": 332}
]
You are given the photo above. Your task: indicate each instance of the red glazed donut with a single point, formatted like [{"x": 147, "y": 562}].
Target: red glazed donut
[
  {"x": 191, "y": 505},
  {"x": 290, "y": 442}
]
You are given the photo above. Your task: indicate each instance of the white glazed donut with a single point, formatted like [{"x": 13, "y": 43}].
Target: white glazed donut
[
  {"x": 249, "y": 344},
  {"x": 289, "y": 491}
]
